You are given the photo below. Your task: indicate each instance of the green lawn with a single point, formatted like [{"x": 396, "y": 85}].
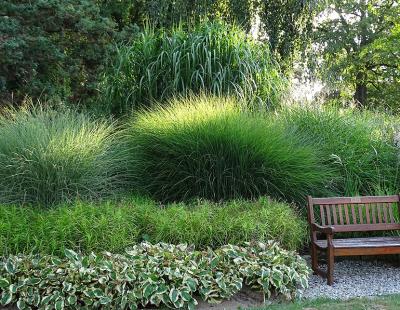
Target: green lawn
[{"x": 391, "y": 302}]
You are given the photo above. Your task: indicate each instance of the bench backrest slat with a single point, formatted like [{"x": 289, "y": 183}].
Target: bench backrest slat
[
  {"x": 355, "y": 213},
  {"x": 335, "y": 222}
]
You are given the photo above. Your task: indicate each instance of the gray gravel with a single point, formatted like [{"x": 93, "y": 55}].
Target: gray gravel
[{"x": 357, "y": 278}]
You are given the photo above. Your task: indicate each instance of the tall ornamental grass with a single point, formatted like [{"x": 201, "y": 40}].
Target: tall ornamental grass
[
  {"x": 358, "y": 146},
  {"x": 47, "y": 157},
  {"x": 208, "y": 147},
  {"x": 212, "y": 57}
]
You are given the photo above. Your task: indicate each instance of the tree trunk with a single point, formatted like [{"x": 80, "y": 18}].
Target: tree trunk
[{"x": 360, "y": 95}]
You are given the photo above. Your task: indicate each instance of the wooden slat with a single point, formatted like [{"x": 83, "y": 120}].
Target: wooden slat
[
  {"x": 335, "y": 222},
  {"x": 379, "y": 211},
  {"x": 366, "y": 227},
  {"x": 346, "y": 212},
  {"x": 321, "y": 210},
  {"x": 367, "y": 251},
  {"x": 328, "y": 215},
  {"x": 360, "y": 214},
  {"x": 392, "y": 220},
  {"x": 367, "y": 214},
  {"x": 340, "y": 208},
  {"x": 310, "y": 207},
  {"x": 385, "y": 212},
  {"x": 373, "y": 207},
  {"x": 355, "y": 200},
  {"x": 353, "y": 214},
  {"x": 362, "y": 242}
]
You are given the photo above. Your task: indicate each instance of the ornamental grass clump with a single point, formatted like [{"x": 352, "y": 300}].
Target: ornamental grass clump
[
  {"x": 358, "y": 146},
  {"x": 49, "y": 156},
  {"x": 160, "y": 275},
  {"x": 209, "y": 147},
  {"x": 212, "y": 57}
]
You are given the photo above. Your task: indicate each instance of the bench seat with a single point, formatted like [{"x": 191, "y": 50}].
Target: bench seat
[{"x": 374, "y": 242}]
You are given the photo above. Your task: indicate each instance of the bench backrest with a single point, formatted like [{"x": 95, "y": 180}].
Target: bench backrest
[{"x": 350, "y": 214}]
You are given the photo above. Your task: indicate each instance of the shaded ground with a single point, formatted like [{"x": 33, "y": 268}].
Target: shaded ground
[{"x": 246, "y": 298}]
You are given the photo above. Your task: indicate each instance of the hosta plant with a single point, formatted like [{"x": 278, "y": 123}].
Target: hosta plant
[{"x": 149, "y": 275}]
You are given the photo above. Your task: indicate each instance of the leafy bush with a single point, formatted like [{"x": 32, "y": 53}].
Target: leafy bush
[
  {"x": 206, "y": 147},
  {"x": 149, "y": 275},
  {"x": 359, "y": 146},
  {"x": 166, "y": 13},
  {"x": 112, "y": 226},
  {"x": 52, "y": 47},
  {"x": 213, "y": 57},
  {"x": 48, "y": 156}
]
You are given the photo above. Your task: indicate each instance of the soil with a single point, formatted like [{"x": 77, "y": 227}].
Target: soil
[{"x": 246, "y": 298}]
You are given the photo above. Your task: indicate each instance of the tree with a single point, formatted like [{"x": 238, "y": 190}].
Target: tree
[
  {"x": 358, "y": 41},
  {"x": 167, "y": 13},
  {"x": 287, "y": 25},
  {"x": 52, "y": 47}
]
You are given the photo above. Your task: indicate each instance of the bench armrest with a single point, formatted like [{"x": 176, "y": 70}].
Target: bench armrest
[{"x": 323, "y": 229}]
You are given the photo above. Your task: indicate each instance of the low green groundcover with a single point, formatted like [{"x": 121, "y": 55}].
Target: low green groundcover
[
  {"x": 149, "y": 275},
  {"x": 113, "y": 226}
]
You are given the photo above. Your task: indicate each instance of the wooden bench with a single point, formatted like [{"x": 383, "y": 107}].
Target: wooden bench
[{"x": 328, "y": 216}]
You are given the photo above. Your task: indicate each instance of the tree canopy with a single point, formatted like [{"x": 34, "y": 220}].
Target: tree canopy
[{"x": 359, "y": 44}]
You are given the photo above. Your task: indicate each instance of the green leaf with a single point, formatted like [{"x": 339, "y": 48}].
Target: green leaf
[
  {"x": 98, "y": 293},
  {"x": 46, "y": 300},
  {"x": 71, "y": 255},
  {"x": 149, "y": 290},
  {"x": 6, "y": 298},
  {"x": 67, "y": 286},
  {"x": 59, "y": 305},
  {"x": 105, "y": 300},
  {"x": 72, "y": 300},
  {"x": 191, "y": 305},
  {"x": 174, "y": 295},
  {"x": 56, "y": 261},
  {"x": 33, "y": 281},
  {"x": 21, "y": 304},
  {"x": 36, "y": 300},
  {"x": 86, "y": 262},
  {"x": 191, "y": 284},
  {"x": 186, "y": 296},
  {"x": 10, "y": 268},
  {"x": 4, "y": 283},
  {"x": 13, "y": 288}
]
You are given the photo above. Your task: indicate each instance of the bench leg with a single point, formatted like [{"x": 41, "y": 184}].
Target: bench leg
[
  {"x": 314, "y": 258},
  {"x": 331, "y": 262}
]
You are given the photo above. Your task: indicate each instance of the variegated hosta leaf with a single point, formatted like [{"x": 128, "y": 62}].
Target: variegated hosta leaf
[{"x": 149, "y": 275}]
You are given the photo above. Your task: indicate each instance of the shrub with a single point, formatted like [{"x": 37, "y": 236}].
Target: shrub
[
  {"x": 52, "y": 47},
  {"x": 111, "y": 226},
  {"x": 48, "y": 156},
  {"x": 206, "y": 147},
  {"x": 357, "y": 145},
  {"x": 149, "y": 275},
  {"x": 213, "y": 57}
]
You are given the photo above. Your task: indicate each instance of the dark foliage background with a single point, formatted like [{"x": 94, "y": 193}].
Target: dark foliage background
[{"x": 56, "y": 48}]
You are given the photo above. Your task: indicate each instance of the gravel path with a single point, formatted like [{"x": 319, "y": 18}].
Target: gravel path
[
  {"x": 353, "y": 278},
  {"x": 357, "y": 278}
]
